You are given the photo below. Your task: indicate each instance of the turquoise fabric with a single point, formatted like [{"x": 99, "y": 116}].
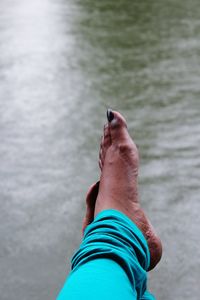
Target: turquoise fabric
[{"x": 111, "y": 263}]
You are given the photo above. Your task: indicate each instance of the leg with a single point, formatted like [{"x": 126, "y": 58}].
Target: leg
[
  {"x": 119, "y": 164},
  {"x": 111, "y": 262},
  {"x": 118, "y": 184},
  {"x": 114, "y": 256}
]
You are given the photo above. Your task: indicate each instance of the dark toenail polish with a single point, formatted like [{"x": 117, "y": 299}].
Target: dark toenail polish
[{"x": 110, "y": 115}]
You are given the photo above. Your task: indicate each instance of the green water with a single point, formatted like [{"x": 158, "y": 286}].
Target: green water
[{"x": 61, "y": 65}]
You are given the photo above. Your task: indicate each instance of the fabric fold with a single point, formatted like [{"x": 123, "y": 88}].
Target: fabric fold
[{"x": 114, "y": 236}]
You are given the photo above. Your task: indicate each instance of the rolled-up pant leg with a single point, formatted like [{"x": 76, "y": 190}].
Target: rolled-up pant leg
[{"x": 111, "y": 263}]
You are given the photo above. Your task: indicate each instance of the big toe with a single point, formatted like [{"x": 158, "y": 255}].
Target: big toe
[{"x": 118, "y": 126}]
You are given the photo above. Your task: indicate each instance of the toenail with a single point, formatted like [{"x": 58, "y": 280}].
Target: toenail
[{"x": 110, "y": 115}]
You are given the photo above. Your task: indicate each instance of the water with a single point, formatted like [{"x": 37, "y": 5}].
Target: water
[{"x": 62, "y": 64}]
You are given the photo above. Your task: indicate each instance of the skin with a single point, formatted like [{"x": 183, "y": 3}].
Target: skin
[{"x": 118, "y": 187}]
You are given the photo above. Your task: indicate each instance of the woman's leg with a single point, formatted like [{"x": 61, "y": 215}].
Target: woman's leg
[
  {"x": 111, "y": 263},
  {"x": 114, "y": 256},
  {"x": 118, "y": 188}
]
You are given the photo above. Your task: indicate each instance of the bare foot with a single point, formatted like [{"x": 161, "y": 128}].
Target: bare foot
[
  {"x": 94, "y": 188},
  {"x": 119, "y": 162}
]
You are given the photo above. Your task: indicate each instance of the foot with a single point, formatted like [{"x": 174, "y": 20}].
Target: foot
[{"x": 118, "y": 189}]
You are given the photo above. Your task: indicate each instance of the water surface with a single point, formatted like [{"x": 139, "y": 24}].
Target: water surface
[{"x": 62, "y": 64}]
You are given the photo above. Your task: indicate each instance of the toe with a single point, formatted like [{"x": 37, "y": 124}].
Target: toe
[
  {"x": 101, "y": 154},
  {"x": 100, "y": 165},
  {"x": 107, "y": 137},
  {"x": 101, "y": 159},
  {"x": 118, "y": 127},
  {"x": 116, "y": 120},
  {"x": 104, "y": 145}
]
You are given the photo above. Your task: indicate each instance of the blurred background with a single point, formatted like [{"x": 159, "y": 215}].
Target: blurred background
[{"x": 62, "y": 64}]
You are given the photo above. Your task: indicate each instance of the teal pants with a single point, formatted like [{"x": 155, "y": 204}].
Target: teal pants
[{"x": 111, "y": 263}]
